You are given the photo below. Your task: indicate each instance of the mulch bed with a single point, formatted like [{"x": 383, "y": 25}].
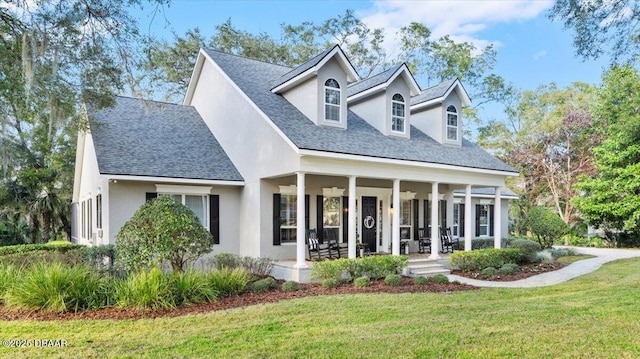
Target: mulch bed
[
  {"x": 276, "y": 295},
  {"x": 523, "y": 271}
]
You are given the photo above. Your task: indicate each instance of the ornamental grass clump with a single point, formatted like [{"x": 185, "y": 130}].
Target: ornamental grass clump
[
  {"x": 55, "y": 287},
  {"x": 263, "y": 285},
  {"x": 393, "y": 280},
  {"x": 289, "y": 286},
  {"x": 330, "y": 283},
  {"x": 489, "y": 272},
  {"x": 362, "y": 281},
  {"x": 146, "y": 289},
  {"x": 439, "y": 278},
  {"x": 228, "y": 281},
  {"x": 509, "y": 268},
  {"x": 191, "y": 287},
  {"x": 8, "y": 275},
  {"x": 420, "y": 280}
]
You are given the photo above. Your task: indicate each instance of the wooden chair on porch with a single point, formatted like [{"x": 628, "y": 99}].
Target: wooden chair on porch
[
  {"x": 424, "y": 241},
  {"x": 448, "y": 241},
  {"x": 337, "y": 249},
  {"x": 316, "y": 250}
]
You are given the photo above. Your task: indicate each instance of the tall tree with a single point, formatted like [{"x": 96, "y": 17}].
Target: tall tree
[
  {"x": 601, "y": 27},
  {"x": 611, "y": 199},
  {"x": 54, "y": 56},
  {"x": 548, "y": 137}
]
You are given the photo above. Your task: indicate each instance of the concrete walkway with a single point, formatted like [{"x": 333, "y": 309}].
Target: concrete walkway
[{"x": 603, "y": 255}]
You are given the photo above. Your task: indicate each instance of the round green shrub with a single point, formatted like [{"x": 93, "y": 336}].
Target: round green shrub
[
  {"x": 439, "y": 278},
  {"x": 489, "y": 272},
  {"x": 330, "y": 283},
  {"x": 508, "y": 268},
  {"x": 362, "y": 282},
  {"x": 393, "y": 280},
  {"x": 545, "y": 225},
  {"x": 528, "y": 249},
  {"x": 289, "y": 286},
  {"x": 263, "y": 285},
  {"x": 420, "y": 280}
]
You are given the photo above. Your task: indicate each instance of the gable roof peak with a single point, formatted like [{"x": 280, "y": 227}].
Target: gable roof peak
[
  {"x": 310, "y": 68},
  {"x": 381, "y": 80},
  {"x": 438, "y": 93}
]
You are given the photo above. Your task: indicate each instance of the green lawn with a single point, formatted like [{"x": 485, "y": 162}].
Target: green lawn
[{"x": 595, "y": 316}]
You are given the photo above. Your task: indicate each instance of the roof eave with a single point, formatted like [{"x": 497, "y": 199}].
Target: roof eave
[{"x": 195, "y": 75}]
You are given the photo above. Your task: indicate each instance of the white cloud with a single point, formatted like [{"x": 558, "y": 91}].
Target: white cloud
[
  {"x": 462, "y": 20},
  {"x": 540, "y": 54}
]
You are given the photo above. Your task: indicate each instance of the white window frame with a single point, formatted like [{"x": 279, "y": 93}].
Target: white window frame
[
  {"x": 292, "y": 209},
  {"x": 452, "y": 127},
  {"x": 487, "y": 225},
  {"x": 183, "y": 191},
  {"x": 455, "y": 228},
  {"x": 396, "y": 118},
  {"x": 327, "y": 89}
]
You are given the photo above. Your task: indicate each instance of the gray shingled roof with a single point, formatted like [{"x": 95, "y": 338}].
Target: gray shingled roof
[
  {"x": 360, "y": 138},
  {"x": 372, "y": 81},
  {"x": 487, "y": 191},
  {"x": 146, "y": 138},
  {"x": 430, "y": 93}
]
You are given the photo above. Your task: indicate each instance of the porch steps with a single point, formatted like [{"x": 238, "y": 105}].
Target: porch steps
[{"x": 425, "y": 267}]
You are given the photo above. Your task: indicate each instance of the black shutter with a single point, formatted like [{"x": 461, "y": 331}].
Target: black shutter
[
  {"x": 425, "y": 224},
  {"x": 416, "y": 218},
  {"x": 150, "y": 195},
  {"x": 491, "y": 221},
  {"x": 214, "y": 217},
  {"x": 443, "y": 213},
  {"x": 306, "y": 213},
  {"x": 276, "y": 219},
  {"x": 478, "y": 220},
  {"x": 319, "y": 217},
  {"x": 345, "y": 219},
  {"x": 461, "y": 223}
]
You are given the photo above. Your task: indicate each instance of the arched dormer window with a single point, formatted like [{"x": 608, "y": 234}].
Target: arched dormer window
[
  {"x": 332, "y": 100},
  {"x": 452, "y": 123},
  {"x": 397, "y": 113}
]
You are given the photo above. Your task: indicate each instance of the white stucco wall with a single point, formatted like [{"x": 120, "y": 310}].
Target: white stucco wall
[
  {"x": 398, "y": 86},
  {"x": 127, "y": 196},
  {"x": 89, "y": 185},
  {"x": 452, "y": 99},
  {"x": 372, "y": 109},
  {"x": 305, "y": 98},
  {"x": 332, "y": 70},
  {"x": 429, "y": 121}
]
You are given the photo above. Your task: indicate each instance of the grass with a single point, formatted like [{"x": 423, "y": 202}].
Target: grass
[
  {"x": 592, "y": 316},
  {"x": 571, "y": 259}
]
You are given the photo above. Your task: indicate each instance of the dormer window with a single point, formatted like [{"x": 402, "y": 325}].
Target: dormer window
[
  {"x": 397, "y": 113},
  {"x": 452, "y": 123},
  {"x": 332, "y": 100}
]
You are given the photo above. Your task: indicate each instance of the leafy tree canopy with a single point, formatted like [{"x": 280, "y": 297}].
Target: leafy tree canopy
[
  {"x": 611, "y": 199},
  {"x": 601, "y": 27}
]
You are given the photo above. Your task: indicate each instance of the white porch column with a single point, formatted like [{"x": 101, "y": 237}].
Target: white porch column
[
  {"x": 467, "y": 218},
  {"x": 300, "y": 225},
  {"x": 395, "y": 234},
  {"x": 351, "y": 223},
  {"x": 435, "y": 235},
  {"x": 497, "y": 220}
]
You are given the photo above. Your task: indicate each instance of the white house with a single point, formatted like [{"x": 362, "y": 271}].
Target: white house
[{"x": 263, "y": 152}]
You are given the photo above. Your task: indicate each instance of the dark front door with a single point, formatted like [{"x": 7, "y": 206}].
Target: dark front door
[{"x": 369, "y": 223}]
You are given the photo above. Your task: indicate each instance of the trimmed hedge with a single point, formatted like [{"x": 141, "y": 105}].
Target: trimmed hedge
[
  {"x": 484, "y": 258},
  {"x": 61, "y": 246},
  {"x": 374, "y": 267},
  {"x": 528, "y": 249}
]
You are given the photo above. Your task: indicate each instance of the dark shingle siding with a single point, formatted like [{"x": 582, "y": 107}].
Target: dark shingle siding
[
  {"x": 360, "y": 138},
  {"x": 146, "y": 138}
]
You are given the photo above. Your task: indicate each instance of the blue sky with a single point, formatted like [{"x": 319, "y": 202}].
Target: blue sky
[{"x": 532, "y": 51}]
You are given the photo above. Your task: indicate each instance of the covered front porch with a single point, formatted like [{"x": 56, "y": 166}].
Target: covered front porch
[{"x": 379, "y": 214}]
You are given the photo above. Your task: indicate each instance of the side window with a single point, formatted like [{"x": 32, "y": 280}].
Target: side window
[
  {"x": 452, "y": 123},
  {"x": 332, "y": 100},
  {"x": 397, "y": 113}
]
